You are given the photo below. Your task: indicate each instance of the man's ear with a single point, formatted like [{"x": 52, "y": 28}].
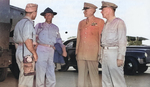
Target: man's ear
[{"x": 44, "y": 17}]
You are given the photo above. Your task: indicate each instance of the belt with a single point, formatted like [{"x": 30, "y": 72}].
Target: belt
[
  {"x": 109, "y": 47},
  {"x": 46, "y": 45},
  {"x": 21, "y": 43}
]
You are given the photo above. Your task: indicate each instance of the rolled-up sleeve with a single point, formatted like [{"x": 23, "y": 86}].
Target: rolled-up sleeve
[
  {"x": 28, "y": 31},
  {"x": 122, "y": 41},
  {"x": 36, "y": 28}
]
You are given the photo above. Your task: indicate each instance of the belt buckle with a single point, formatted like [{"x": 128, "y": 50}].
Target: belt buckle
[
  {"x": 106, "y": 47},
  {"x": 49, "y": 45}
]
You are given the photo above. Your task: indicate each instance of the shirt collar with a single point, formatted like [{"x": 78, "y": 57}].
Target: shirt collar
[
  {"x": 47, "y": 23},
  {"x": 29, "y": 18}
]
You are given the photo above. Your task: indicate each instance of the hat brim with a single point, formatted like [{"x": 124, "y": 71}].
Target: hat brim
[
  {"x": 84, "y": 8},
  {"x": 106, "y": 6},
  {"x": 43, "y": 13},
  {"x": 102, "y": 7}
]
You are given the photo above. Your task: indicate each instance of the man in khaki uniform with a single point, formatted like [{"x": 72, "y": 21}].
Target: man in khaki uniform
[
  {"x": 114, "y": 47},
  {"x": 87, "y": 49},
  {"x": 24, "y": 35}
]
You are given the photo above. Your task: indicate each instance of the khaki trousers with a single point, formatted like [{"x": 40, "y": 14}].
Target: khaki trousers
[
  {"x": 112, "y": 75},
  {"x": 24, "y": 81},
  {"x": 45, "y": 67},
  {"x": 88, "y": 75}
]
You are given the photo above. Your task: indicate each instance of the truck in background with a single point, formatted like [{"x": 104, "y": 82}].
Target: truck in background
[{"x": 9, "y": 16}]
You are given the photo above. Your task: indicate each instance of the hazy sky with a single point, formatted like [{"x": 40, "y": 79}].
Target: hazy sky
[{"x": 135, "y": 13}]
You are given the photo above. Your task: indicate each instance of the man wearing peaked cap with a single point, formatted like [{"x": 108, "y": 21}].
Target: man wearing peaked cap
[
  {"x": 24, "y": 38},
  {"x": 88, "y": 47},
  {"x": 47, "y": 35},
  {"x": 88, "y": 6},
  {"x": 113, "y": 47},
  {"x": 108, "y": 4}
]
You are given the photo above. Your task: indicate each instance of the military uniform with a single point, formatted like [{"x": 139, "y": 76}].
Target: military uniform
[
  {"x": 87, "y": 50},
  {"x": 25, "y": 33},
  {"x": 48, "y": 35},
  {"x": 114, "y": 47}
]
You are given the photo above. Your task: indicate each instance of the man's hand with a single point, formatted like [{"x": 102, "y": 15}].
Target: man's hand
[
  {"x": 30, "y": 47},
  {"x": 53, "y": 47},
  {"x": 64, "y": 51},
  {"x": 64, "y": 54},
  {"x": 35, "y": 56},
  {"x": 35, "y": 45},
  {"x": 99, "y": 58},
  {"x": 120, "y": 62}
]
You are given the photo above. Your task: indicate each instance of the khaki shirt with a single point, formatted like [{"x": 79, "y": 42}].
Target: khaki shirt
[
  {"x": 24, "y": 30},
  {"x": 48, "y": 34},
  {"x": 88, "y": 39},
  {"x": 114, "y": 34}
]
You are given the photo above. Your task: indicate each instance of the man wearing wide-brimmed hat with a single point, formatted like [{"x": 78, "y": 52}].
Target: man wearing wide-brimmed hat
[
  {"x": 88, "y": 47},
  {"x": 47, "y": 35},
  {"x": 24, "y": 38},
  {"x": 113, "y": 47}
]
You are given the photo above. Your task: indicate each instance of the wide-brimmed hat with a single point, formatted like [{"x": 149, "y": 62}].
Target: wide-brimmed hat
[
  {"x": 108, "y": 4},
  {"x": 48, "y": 10},
  {"x": 88, "y": 6}
]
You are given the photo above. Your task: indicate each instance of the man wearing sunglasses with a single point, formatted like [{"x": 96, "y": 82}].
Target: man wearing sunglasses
[
  {"x": 113, "y": 47},
  {"x": 88, "y": 47}
]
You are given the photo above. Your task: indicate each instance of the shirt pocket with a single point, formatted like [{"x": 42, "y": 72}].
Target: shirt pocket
[
  {"x": 53, "y": 34},
  {"x": 111, "y": 34},
  {"x": 43, "y": 34}
]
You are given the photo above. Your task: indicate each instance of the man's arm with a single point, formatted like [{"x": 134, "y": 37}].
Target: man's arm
[
  {"x": 30, "y": 47},
  {"x": 28, "y": 38},
  {"x": 78, "y": 38},
  {"x": 36, "y": 36},
  {"x": 101, "y": 25},
  {"x": 16, "y": 45},
  {"x": 64, "y": 51},
  {"x": 122, "y": 43}
]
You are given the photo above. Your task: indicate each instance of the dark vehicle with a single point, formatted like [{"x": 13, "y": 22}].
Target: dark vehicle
[
  {"x": 135, "y": 60},
  {"x": 9, "y": 16}
]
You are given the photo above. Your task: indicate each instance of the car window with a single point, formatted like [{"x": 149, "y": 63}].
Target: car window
[{"x": 70, "y": 44}]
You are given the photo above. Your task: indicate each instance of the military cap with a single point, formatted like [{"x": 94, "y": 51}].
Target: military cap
[
  {"x": 88, "y": 6},
  {"x": 108, "y": 4},
  {"x": 31, "y": 7}
]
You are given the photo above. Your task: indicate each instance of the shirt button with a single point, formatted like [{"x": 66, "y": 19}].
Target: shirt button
[
  {"x": 85, "y": 28},
  {"x": 84, "y": 37}
]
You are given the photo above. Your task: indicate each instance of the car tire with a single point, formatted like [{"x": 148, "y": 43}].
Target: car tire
[
  {"x": 142, "y": 68},
  {"x": 130, "y": 66},
  {"x": 3, "y": 74}
]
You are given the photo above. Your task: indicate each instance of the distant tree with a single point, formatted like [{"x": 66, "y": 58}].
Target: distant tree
[
  {"x": 134, "y": 40},
  {"x": 135, "y": 43}
]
